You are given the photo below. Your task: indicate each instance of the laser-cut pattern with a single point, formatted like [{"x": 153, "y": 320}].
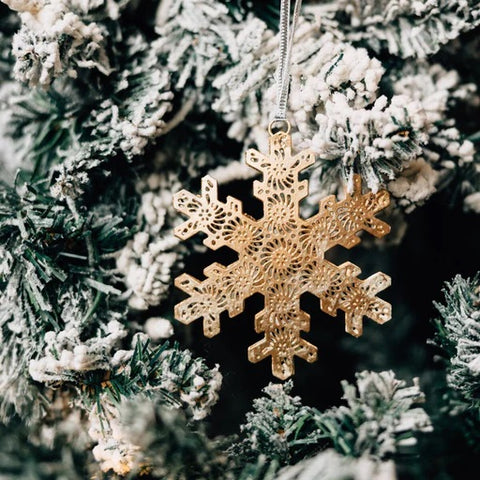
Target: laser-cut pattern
[{"x": 281, "y": 256}]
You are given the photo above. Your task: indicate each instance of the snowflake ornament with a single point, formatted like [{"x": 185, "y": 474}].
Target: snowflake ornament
[{"x": 281, "y": 256}]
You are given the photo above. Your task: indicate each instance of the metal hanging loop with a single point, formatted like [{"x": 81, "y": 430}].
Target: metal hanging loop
[{"x": 276, "y": 126}]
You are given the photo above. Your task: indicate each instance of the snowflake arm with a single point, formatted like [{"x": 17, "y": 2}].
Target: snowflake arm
[
  {"x": 282, "y": 321},
  {"x": 208, "y": 215},
  {"x": 224, "y": 289},
  {"x": 344, "y": 291},
  {"x": 280, "y": 189},
  {"x": 337, "y": 223}
]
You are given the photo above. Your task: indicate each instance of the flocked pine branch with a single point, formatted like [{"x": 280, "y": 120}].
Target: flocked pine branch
[
  {"x": 330, "y": 465},
  {"x": 166, "y": 375},
  {"x": 405, "y": 29},
  {"x": 446, "y": 153},
  {"x": 183, "y": 380},
  {"x": 321, "y": 67},
  {"x": 134, "y": 112},
  {"x": 195, "y": 36},
  {"x": 59, "y": 38},
  {"x": 167, "y": 446},
  {"x": 457, "y": 334},
  {"x": 381, "y": 419},
  {"x": 54, "y": 272},
  {"x": 150, "y": 259},
  {"x": 66, "y": 125},
  {"x": 413, "y": 141},
  {"x": 341, "y": 106},
  {"x": 279, "y": 427},
  {"x": 337, "y": 109},
  {"x": 44, "y": 125},
  {"x": 137, "y": 406}
]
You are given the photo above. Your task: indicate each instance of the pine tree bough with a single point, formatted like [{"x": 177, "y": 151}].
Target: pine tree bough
[
  {"x": 166, "y": 376},
  {"x": 408, "y": 29},
  {"x": 382, "y": 417},
  {"x": 458, "y": 335},
  {"x": 49, "y": 285},
  {"x": 110, "y": 105},
  {"x": 338, "y": 109},
  {"x": 147, "y": 261},
  {"x": 54, "y": 41},
  {"x": 279, "y": 427}
]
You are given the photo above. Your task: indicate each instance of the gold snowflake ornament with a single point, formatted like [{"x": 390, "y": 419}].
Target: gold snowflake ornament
[{"x": 281, "y": 256}]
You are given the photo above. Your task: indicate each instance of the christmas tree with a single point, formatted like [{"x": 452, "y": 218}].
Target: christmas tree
[{"x": 109, "y": 108}]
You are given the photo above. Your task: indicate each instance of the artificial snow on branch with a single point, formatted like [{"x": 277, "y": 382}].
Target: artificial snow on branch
[
  {"x": 54, "y": 41},
  {"x": 458, "y": 336},
  {"x": 381, "y": 419},
  {"x": 166, "y": 377},
  {"x": 195, "y": 36},
  {"x": 151, "y": 439},
  {"x": 148, "y": 259},
  {"x": 407, "y": 29},
  {"x": 330, "y": 465},
  {"x": 51, "y": 280}
]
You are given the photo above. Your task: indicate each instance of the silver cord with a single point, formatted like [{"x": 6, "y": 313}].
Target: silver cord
[{"x": 287, "y": 32}]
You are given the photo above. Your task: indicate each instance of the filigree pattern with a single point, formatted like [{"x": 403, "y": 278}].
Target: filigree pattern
[{"x": 281, "y": 256}]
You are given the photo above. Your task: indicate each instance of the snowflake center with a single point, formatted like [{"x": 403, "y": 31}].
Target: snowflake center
[
  {"x": 280, "y": 259},
  {"x": 281, "y": 256}
]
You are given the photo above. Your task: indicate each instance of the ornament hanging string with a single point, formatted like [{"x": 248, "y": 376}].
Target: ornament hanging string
[{"x": 287, "y": 32}]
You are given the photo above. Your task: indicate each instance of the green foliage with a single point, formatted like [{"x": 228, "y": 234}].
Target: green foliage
[
  {"x": 135, "y": 100},
  {"x": 380, "y": 419},
  {"x": 54, "y": 268},
  {"x": 359, "y": 143},
  {"x": 279, "y": 427},
  {"x": 408, "y": 29},
  {"x": 170, "y": 448},
  {"x": 23, "y": 459},
  {"x": 63, "y": 41},
  {"x": 47, "y": 242},
  {"x": 86, "y": 124},
  {"x": 457, "y": 317},
  {"x": 47, "y": 123},
  {"x": 165, "y": 372},
  {"x": 457, "y": 335},
  {"x": 192, "y": 48}
]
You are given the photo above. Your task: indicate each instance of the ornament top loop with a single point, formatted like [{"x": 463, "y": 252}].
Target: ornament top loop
[{"x": 278, "y": 125}]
